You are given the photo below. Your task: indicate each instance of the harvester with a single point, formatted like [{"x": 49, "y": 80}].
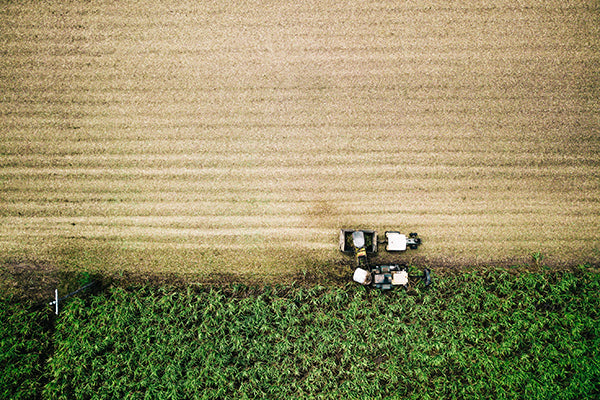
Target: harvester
[{"x": 364, "y": 242}]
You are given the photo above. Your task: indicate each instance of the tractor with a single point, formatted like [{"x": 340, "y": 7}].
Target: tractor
[{"x": 363, "y": 242}]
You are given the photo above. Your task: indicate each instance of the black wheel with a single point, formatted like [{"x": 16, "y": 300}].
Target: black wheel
[{"x": 412, "y": 235}]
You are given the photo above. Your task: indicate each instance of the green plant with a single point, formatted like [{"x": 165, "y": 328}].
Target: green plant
[{"x": 538, "y": 257}]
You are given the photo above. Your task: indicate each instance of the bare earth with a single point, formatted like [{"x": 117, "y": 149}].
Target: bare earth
[{"x": 240, "y": 136}]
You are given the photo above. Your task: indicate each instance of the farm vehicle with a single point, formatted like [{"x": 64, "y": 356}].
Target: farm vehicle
[{"x": 362, "y": 243}]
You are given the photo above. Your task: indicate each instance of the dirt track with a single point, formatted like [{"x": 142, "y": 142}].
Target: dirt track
[{"x": 218, "y": 135}]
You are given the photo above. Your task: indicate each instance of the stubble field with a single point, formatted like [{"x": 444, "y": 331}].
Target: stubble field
[{"x": 239, "y": 137}]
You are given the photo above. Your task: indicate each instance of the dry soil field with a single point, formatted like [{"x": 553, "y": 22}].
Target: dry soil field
[{"x": 217, "y": 135}]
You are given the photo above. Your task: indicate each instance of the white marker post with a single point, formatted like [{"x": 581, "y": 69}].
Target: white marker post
[{"x": 56, "y": 301}]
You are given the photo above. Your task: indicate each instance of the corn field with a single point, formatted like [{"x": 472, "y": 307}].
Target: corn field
[{"x": 474, "y": 335}]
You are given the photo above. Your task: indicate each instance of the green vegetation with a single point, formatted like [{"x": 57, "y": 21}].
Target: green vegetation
[
  {"x": 25, "y": 340},
  {"x": 477, "y": 335}
]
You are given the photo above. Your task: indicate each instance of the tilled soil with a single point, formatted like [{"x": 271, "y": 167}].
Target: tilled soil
[{"x": 197, "y": 136}]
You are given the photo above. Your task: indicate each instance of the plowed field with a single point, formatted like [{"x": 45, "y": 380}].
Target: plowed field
[{"x": 240, "y": 136}]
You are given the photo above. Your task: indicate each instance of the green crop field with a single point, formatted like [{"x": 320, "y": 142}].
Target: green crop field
[
  {"x": 481, "y": 335},
  {"x": 193, "y": 136}
]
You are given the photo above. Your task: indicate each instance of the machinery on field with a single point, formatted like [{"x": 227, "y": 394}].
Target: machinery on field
[{"x": 363, "y": 242}]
